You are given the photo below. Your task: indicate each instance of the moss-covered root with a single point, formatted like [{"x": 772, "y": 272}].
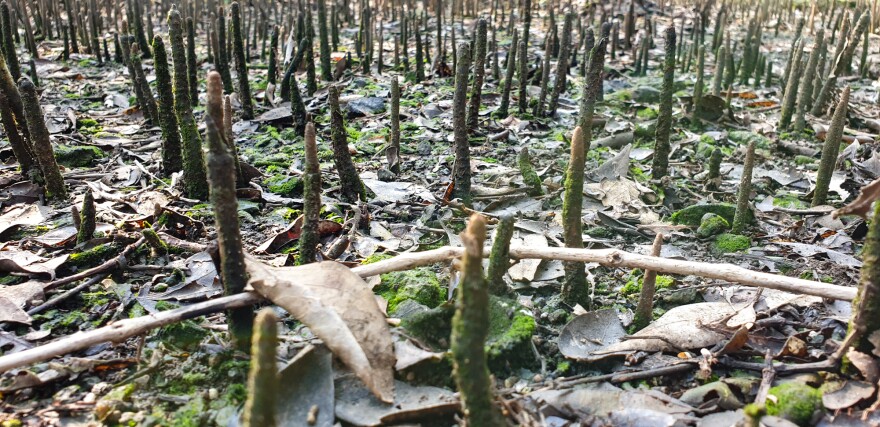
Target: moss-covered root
[
  {"x": 844, "y": 66},
  {"x": 297, "y": 107},
  {"x": 272, "y": 71},
  {"x": 645, "y": 308},
  {"x": 194, "y": 178},
  {"x": 230, "y": 139},
  {"x": 311, "y": 76},
  {"x": 137, "y": 27},
  {"x": 138, "y": 88},
  {"x": 479, "y": 56},
  {"x": 791, "y": 88},
  {"x": 462, "y": 170},
  {"x": 866, "y": 306},
  {"x": 244, "y": 88},
  {"x": 191, "y": 62},
  {"x": 714, "y": 177},
  {"x": 504, "y": 105},
  {"x": 40, "y": 139},
  {"x": 526, "y": 15},
  {"x": 830, "y": 149},
  {"x": 592, "y": 90},
  {"x": 7, "y": 43},
  {"x": 574, "y": 286},
  {"x": 470, "y": 328},
  {"x": 530, "y": 177},
  {"x": 151, "y": 111},
  {"x": 420, "y": 61},
  {"x": 392, "y": 153},
  {"x": 499, "y": 259},
  {"x": 87, "y": 225},
  {"x": 698, "y": 86},
  {"x": 562, "y": 65},
  {"x": 222, "y": 55},
  {"x": 12, "y": 117},
  {"x": 719, "y": 70},
  {"x": 805, "y": 91},
  {"x": 221, "y": 178},
  {"x": 263, "y": 383},
  {"x": 352, "y": 189},
  {"x": 523, "y": 75},
  {"x": 839, "y": 68},
  {"x": 172, "y": 160},
  {"x": 743, "y": 214},
  {"x": 158, "y": 246},
  {"x": 308, "y": 239},
  {"x": 324, "y": 42},
  {"x": 660, "y": 166},
  {"x": 544, "y": 73}
]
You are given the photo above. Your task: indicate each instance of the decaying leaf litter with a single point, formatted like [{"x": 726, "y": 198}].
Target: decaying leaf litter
[{"x": 705, "y": 139}]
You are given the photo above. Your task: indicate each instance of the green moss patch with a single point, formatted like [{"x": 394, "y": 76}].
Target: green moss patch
[
  {"x": 634, "y": 284},
  {"x": 794, "y": 402},
  {"x": 77, "y": 156},
  {"x": 647, "y": 114},
  {"x": 693, "y": 215},
  {"x": 712, "y": 224},
  {"x": 742, "y": 137},
  {"x": 282, "y": 185},
  {"x": 91, "y": 257},
  {"x": 185, "y": 335},
  {"x": 420, "y": 285},
  {"x": 729, "y": 243},
  {"x": 508, "y": 346},
  {"x": 788, "y": 201}
]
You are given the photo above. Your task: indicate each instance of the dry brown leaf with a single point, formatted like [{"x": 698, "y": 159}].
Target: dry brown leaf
[
  {"x": 339, "y": 307},
  {"x": 862, "y": 204},
  {"x": 761, "y": 104}
]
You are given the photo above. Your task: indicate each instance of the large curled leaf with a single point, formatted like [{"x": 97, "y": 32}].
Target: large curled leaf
[{"x": 339, "y": 307}]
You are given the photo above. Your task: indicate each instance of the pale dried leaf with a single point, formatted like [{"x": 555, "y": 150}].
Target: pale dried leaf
[
  {"x": 525, "y": 269},
  {"x": 11, "y": 312},
  {"x": 355, "y": 406},
  {"x": 850, "y": 394},
  {"x": 682, "y": 328},
  {"x": 339, "y": 307},
  {"x": 307, "y": 383},
  {"x": 866, "y": 364}
]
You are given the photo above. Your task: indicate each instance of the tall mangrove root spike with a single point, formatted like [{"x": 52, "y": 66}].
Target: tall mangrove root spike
[
  {"x": 574, "y": 285},
  {"x": 309, "y": 237},
  {"x": 660, "y": 166},
  {"x": 499, "y": 259},
  {"x": 221, "y": 178},
  {"x": 645, "y": 308},
  {"x": 830, "y": 148},
  {"x": 263, "y": 382},
  {"x": 470, "y": 328},
  {"x": 40, "y": 141}
]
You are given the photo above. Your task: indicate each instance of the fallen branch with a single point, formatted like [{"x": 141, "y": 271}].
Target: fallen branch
[
  {"x": 618, "y": 258},
  {"x": 123, "y": 329},
  {"x": 127, "y": 328}
]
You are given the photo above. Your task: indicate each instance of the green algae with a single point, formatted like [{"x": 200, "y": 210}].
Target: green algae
[{"x": 729, "y": 243}]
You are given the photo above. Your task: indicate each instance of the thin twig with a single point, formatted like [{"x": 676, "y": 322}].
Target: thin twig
[
  {"x": 111, "y": 264},
  {"x": 67, "y": 294}
]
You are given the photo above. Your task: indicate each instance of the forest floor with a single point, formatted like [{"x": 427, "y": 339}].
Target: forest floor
[{"x": 186, "y": 374}]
